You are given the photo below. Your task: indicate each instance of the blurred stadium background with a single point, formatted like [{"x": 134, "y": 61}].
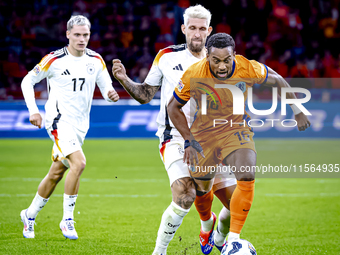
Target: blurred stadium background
[{"x": 298, "y": 39}]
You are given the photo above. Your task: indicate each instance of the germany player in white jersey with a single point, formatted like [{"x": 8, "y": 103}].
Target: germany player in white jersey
[
  {"x": 72, "y": 74},
  {"x": 166, "y": 71}
]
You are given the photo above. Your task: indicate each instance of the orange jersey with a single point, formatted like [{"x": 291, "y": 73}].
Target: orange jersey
[{"x": 198, "y": 80}]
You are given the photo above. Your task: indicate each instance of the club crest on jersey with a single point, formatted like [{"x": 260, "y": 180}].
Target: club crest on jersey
[
  {"x": 180, "y": 85},
  {"x": 90, "y": 68},
  {"x": 242, "y": 86},
  {"x": 36, "y": 69}
]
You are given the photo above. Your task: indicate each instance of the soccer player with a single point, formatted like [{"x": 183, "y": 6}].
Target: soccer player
[
  {"x": 71, "y": 74},
  {"x": 233, "y": 142},
  {"x": 168, "y": 67}
]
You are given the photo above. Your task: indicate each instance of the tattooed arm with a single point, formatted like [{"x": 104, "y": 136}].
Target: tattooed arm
[{"x": 142, "y": 92}]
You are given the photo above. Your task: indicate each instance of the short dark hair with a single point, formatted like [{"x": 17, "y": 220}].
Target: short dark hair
[{"x": 220, "y": 41}]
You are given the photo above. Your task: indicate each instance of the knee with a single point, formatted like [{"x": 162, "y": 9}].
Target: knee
[
  {"x": 82, "y": 164},
  {"x": 78, "y": 166},
  {"x": 246, "y": 176},
  {"x": 189, "y": 198},
  {"x": 184, "y": 192},
  {"x": 246, "y": 171},
  {"x": 191, "y": 194}
]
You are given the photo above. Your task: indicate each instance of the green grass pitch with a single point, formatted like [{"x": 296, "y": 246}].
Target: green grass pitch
[{"x": 124, "y": 191}]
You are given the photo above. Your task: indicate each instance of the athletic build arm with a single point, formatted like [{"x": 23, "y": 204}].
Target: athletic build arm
[
  {"x": 274, "y": 79},
  {"x": 180, "y": 122},
  {"x": 142, "y": 92}
]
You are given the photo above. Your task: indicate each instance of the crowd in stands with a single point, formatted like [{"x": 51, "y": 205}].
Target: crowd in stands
[{"x": 297, "y": 38}]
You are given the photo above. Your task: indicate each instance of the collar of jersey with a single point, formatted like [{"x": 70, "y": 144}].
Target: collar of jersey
[
  {"x": 74, "y": 57},
  {"x": 232, "y": 71}
]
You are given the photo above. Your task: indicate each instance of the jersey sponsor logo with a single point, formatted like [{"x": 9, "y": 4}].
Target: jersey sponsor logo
[
  {"x": 242, "y": 86},
  {"x": 178, "y": 67},
  {"x": 66, "y": 72},
  {"x": 36, "y": 69},
  {"x": 180, "y": 85}
]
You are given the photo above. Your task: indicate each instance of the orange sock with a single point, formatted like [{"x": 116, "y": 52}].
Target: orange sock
[
  {"x": 240, "y": 204},
  {"x": 203, "y": 205}
]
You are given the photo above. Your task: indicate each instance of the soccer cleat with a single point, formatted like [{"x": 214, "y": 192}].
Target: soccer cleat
[
  {"x": 67, "y": 227},
  {"x": 224, "y": 243},
  {"x": 29, "y": 223},
  {"x": 207, "y": 238}
]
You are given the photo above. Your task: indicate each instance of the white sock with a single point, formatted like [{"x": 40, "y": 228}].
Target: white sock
[
  {"x": 37, "y": 204},
  {"x": 69, "y": 204},
  {"x": 207, "y": 225},
  {"x": 171, "y": 220},
  {"x": 222, "y": 227},
  {"x": 233, "y": 236}
]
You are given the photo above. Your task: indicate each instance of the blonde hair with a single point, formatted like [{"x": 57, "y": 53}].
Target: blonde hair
[
  {"x": 79, "y": 20},
  {"x": 197, "y": 11}
]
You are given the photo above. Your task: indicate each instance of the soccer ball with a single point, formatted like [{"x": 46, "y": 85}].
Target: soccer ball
[{"x": 239, "y": 247}]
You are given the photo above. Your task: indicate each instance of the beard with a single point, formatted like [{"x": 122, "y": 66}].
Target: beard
[{"x": 196, "y": 48}]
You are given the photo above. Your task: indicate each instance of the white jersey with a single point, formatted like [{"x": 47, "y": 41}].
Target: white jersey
[
  {"x": 166, "y": 71},
  {"x": 71, "y": 82}
]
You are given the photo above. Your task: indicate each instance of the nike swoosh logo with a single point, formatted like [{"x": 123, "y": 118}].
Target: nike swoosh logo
[
  {"x": 244, "y": 143},
  {"x": 246, "y": 210}
]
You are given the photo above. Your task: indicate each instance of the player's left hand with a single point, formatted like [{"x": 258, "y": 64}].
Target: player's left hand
[
  {"x": 190, "y": 154},
  {"x": 113, "y": 95},
  {"x": 302, "y": 121}
]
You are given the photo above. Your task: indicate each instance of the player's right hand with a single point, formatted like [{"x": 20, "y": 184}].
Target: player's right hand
[
  {"x": 36, "y": 120},
  {"x": 302, "y": 121},
  {"x": 118, "y": 70}
]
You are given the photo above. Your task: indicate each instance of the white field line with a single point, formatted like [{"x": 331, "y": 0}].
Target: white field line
[{"x": 302, "y": 194}]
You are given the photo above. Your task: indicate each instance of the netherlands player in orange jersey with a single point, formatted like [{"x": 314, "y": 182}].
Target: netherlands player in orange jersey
[
  {"x": 231, "y": 144},
  {"x": 168, "y": 67}
]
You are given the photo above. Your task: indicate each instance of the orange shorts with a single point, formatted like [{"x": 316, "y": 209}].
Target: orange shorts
[{"x": 217, "y": 147}]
